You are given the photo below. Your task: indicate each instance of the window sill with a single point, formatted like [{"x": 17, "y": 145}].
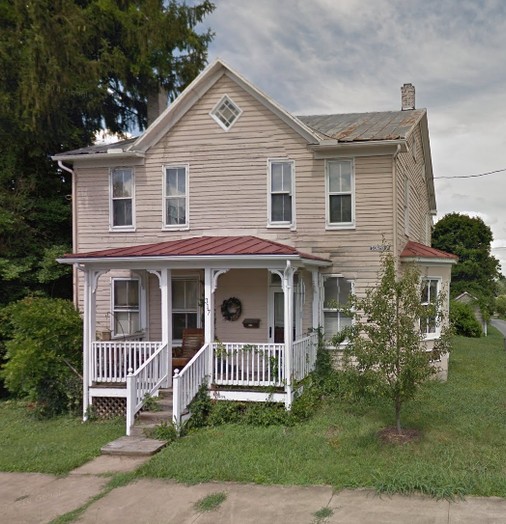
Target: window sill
[
  {"x": 337, "y": 227},
  {"x": 129, "y": 229},
  {"x": 281, "y": 226},
  {"x": 176, "y": 228}
]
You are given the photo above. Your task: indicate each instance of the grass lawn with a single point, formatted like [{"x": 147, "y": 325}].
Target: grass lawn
[
  {"x": 462, "y": 450},
  {"x": 49, "y": 446}
]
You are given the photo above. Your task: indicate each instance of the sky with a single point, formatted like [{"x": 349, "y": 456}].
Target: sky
[{"x": 345, "y": 56}]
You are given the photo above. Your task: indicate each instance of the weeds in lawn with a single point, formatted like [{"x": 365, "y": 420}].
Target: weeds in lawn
[
  {"x": 322, "y": 515},
  {"x": 210, "y": 502}
]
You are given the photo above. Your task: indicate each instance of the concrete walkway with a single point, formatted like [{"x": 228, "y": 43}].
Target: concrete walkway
[{"x": 35, "y": 498}]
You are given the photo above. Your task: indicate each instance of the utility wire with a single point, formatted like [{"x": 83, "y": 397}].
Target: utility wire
[{"x": 471, "y": 176}]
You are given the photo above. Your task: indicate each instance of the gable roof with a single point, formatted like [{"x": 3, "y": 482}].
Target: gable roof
[
  {"x": 315, "y": 129},
  {"x": 201, "y": 247},
  {"x": 416, "y": 251}
]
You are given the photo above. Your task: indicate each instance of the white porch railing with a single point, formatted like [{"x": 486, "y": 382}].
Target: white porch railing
[
  {"x": 186, "y": 383},
  {"x": 111, "y": 360},
  {"x": 236, "y": 364},
  {"x": 146, "y": 380},
  {"x": 304, "y": 356}
]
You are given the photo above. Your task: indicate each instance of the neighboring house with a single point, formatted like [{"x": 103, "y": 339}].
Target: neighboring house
[
  {"x": 467, "y": 298},
  {"x": 227, "y": 200}
]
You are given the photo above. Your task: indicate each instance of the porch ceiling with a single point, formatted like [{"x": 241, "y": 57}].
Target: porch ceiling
[{"x": 199, "y": 249}]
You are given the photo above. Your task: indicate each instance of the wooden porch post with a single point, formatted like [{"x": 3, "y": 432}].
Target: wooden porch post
[
  {"x": 89, "y": 332},
  {"x": 166, "y": 312},
  {"x": 288, "y": 332},
  {"x": 315, "y": 278}
]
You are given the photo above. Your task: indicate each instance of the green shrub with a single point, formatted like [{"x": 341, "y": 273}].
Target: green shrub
[
  {"x": 44, "y": 354},
  {"x": 463, "y": 320},
  {"x": 500, "y": 305}
]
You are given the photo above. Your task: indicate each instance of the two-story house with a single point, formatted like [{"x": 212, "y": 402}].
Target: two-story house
[{"x": 233, "y": 216}]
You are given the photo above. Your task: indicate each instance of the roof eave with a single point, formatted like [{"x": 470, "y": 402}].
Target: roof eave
[
  {"x": 330, "y": 144},
  {"x": 428, "y": 260},
  {"x": 104, "y": 156},
  {"x": 192, "y": 259}
]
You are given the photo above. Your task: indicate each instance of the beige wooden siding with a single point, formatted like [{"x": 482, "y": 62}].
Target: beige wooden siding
[
  {"x": 228, "y": 190},
  {"x": 412, "y": 166}
]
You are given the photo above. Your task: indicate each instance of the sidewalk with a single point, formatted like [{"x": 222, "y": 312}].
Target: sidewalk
[{"x": 35, "y": 498}]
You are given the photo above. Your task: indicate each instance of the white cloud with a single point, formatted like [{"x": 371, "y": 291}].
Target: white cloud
[{"x": 332, "y": 56}]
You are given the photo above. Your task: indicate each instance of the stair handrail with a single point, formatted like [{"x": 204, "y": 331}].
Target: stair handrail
[{"x": 136, "y": 394}]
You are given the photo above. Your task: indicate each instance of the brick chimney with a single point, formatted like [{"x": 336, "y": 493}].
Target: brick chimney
[
  {"x": 157, "y": 103},
  {"x": 407, "y": 97}
]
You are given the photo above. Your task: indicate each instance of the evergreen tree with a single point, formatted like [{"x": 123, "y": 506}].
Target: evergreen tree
[{"x": 68, "y": 69}]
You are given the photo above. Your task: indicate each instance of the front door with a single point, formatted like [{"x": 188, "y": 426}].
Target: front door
[{"x": 276, "y": 315}]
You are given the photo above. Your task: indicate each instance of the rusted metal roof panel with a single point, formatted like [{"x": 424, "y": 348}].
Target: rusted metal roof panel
[
  {"x": 416, "y": 250},
  {"x": 362, "y": 127},
  {"x": 200, "y": 246}
]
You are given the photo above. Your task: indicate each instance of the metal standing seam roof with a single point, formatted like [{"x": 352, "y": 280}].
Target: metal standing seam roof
[
  {"x": 362, "y": 127},
  {"x": 416, "y": 250},
  {"x": 200, "y": 247}
]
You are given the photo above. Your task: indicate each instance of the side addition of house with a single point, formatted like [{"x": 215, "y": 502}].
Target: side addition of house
[{"x": 219, "y": 240}]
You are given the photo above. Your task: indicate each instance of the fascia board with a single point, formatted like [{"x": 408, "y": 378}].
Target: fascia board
[
  {"x": 429, "y": 261},
  {"x": 109, "y": 157},
  {"x": 376, "y": 147},
  {"x": 429, "y": 174},
  {"x": 237, "y": 261}
]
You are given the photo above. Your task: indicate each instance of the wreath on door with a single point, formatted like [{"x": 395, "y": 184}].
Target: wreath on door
[{"x": 231, "y": 308}]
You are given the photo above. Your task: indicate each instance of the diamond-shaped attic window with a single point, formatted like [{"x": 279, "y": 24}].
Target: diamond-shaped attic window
[{"x": 226, "y": 113}]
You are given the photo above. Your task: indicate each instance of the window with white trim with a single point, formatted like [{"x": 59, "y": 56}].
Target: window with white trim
[
  {"x": 339, "y": 185},
  {"x": 126, "y": 306},
  {"x": 429, "y": 325},
  {"x": 185, "y": 306},
  {"x": 281, "y": 201},
  {"x": 226, "y": 113},
  {"x": 122, "y": 198},
  {"x": 176, "y": 197},
  {"x": 336, "y": 294}
]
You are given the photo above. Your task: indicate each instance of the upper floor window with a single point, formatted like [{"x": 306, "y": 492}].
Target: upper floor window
[
  {"x": 176, "y": 197},
  {"x": 337, "y": 291},
  {"x": 429, "y": 325},
  {"x": 226, "y": 113},
  {"x": 126, "y": 306},
  {"x": 281, "y": 201},
  {"x": 340, "y": 193},
  {"x": 122, "y": 198}
]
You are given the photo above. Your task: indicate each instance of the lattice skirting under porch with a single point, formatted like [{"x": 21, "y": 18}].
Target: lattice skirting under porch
[{"x": 109, "y": 407}]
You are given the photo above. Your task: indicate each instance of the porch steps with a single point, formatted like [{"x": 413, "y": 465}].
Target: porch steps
[{"x": 138, "y": 444}]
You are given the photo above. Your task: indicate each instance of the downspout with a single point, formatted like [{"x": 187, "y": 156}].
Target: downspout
[
  {"x": 74, "y": 228},
  {"x": 395, "y": 196}
]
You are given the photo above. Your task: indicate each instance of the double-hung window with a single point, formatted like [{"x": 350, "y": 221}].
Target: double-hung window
[
  {"x": 184, "y": 305},
  {"x": 281, "y": 197},
  {"x": 176, "y": 197},
  {"x": 337, "y": 291},
  {"x": 429, "y": 325},
  {"x": 339, "y": 182},
  {"x": 126, "y": 306},
  {"x": 122, "y": 199}
]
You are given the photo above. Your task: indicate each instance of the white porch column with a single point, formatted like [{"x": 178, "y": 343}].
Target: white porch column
[
  {"x": 287, "y": 282},
  {"x": 89, "y": 332},
  {"x": 315, "y": 278},
  {"x": 166, "y": 312},
  {"x": 209, "y": 317}
]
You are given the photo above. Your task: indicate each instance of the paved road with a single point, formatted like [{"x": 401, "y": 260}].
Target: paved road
[
  {"x": 500, "y": 325},
  {"x": 30, "y": 498}
]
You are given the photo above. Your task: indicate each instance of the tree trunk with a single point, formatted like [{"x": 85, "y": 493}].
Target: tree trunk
[{"x": 398, "y": 415}]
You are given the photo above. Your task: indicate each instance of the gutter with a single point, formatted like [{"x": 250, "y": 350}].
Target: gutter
[
  {"x": 109, "y": 155},
  {"x": 336, "y": 144}
]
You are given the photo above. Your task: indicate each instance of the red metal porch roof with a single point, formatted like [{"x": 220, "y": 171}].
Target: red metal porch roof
[
  {"x": 200, "y": 246},
  {"x": 416, "y": 250}
]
